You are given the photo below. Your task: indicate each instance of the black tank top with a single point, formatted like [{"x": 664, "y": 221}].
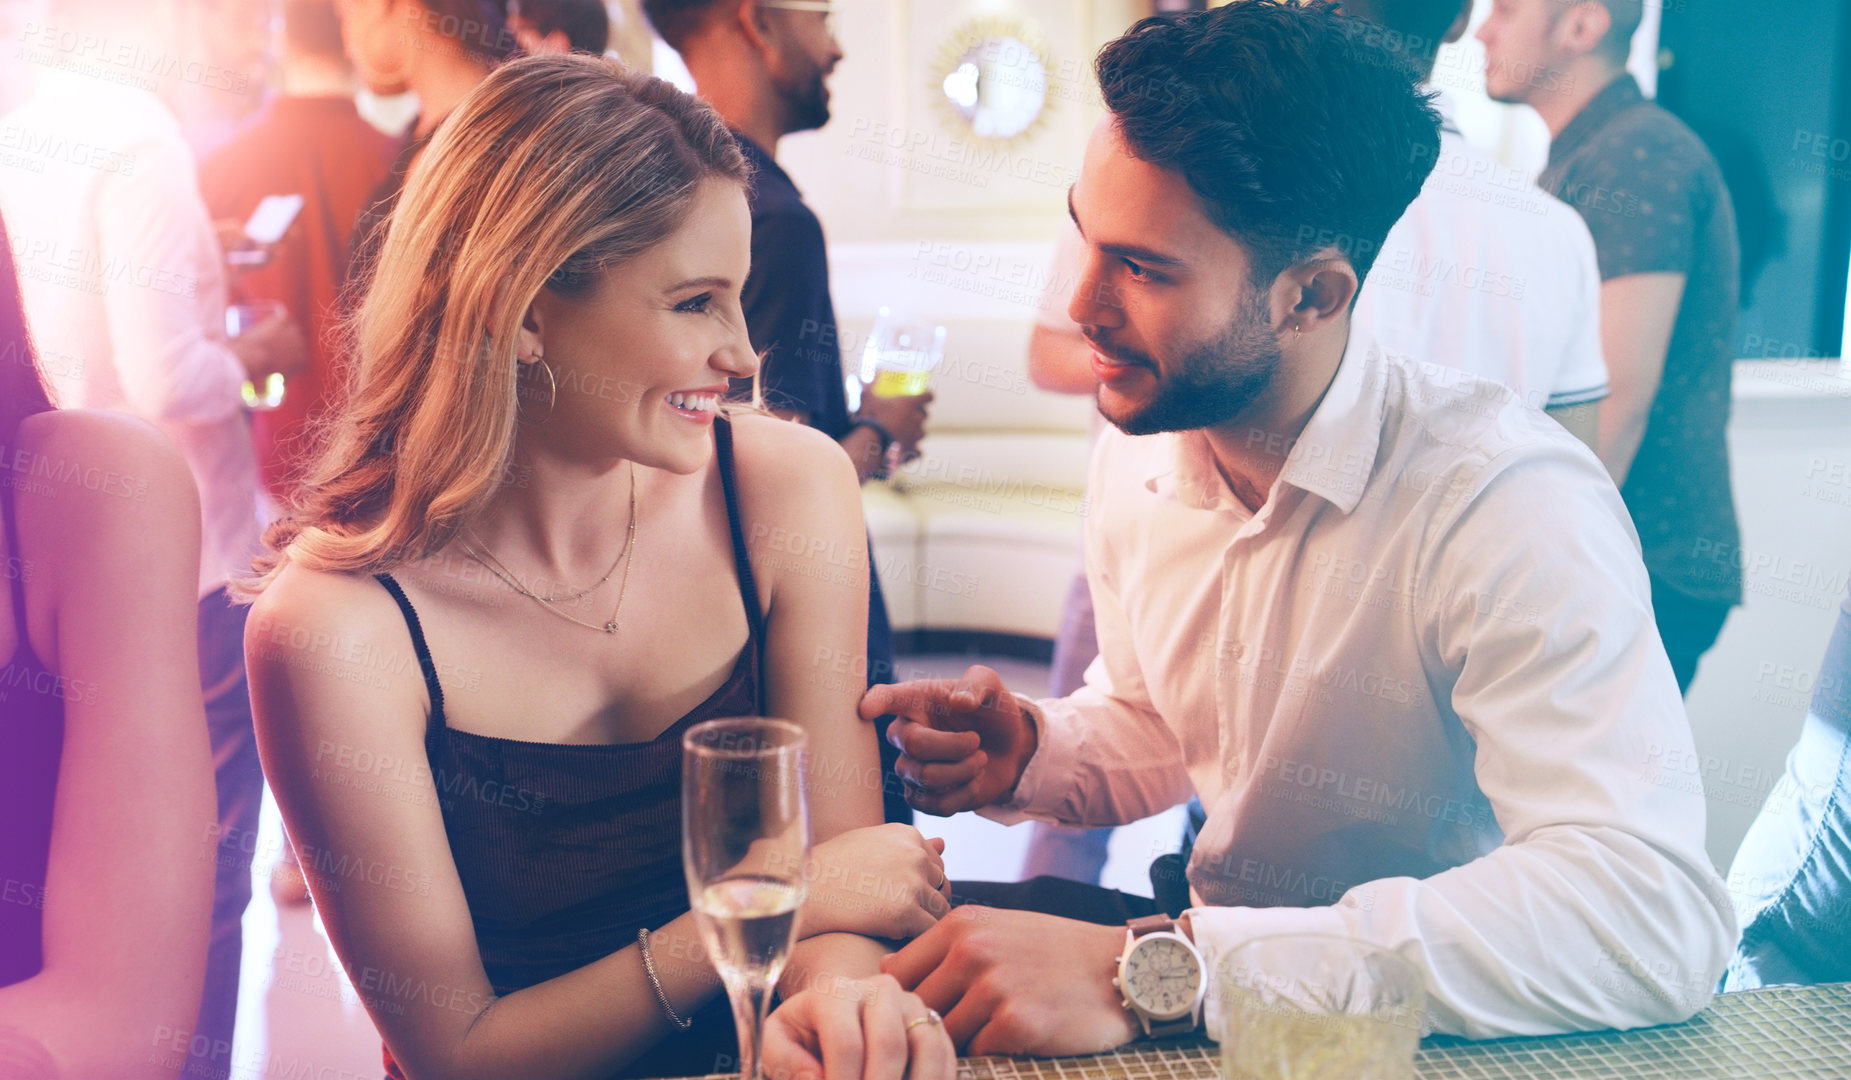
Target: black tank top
[
  {"x": 565, "y": 851},
  {"x": 31, "y": 747}
]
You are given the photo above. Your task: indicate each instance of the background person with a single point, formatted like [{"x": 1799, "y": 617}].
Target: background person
[
  {"x": 308, "y": 140},
  {"x": 436, "y": 49},
  {"x": 1485, "y": 272},
  {"x": 543, "y": 26},
  {"x": 1664, "y": 229},
  {"x": 1060, "y": 361},
  {"x": 764, "y": 66},
  {"x": 124, "y": 283},
  {"x": 1791, "y": 878},
  {"x": 107, "y": 853}
]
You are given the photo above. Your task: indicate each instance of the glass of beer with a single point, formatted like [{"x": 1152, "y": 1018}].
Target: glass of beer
[
  {"x": 901, "y": 353},
  {"x": 1316, "y": 1007},
  {"x": 239, "y": 318}
]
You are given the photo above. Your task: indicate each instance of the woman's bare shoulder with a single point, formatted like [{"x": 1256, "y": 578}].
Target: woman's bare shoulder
[
  {"x": 304, "y": 605},
  {"x": 777, "y": 455},
  {"x": 112, "y": 455}
]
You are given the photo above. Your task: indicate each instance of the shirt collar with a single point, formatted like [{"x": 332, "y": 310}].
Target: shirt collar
[
  {"x": 1332, "y": 458},
  {"x": 1622, "y": 93},
  {"x": 762, "y": 163}
]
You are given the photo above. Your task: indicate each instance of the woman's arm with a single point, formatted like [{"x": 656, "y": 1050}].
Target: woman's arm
[
  {"x": 801, "y": 505},
  {"x": 343, "y": 748},
  {"x": 109, "y": 539}
]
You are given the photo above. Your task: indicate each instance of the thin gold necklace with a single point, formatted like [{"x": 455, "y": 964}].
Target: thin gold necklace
[{"x": 480, "y": 553}]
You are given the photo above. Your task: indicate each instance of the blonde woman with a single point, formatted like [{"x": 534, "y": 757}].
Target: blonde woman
[{"x": 521, "y": 570}]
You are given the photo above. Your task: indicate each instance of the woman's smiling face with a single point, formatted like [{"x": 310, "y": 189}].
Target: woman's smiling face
[{"x": 642, "y": 359}]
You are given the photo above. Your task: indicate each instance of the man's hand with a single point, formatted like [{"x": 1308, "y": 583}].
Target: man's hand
[
  {"x": 1018, "y": 982},
  {"x": 276, "y": 344},
  {"x": 240, "y": 251},
  {"x": 963, "y": 742},
  {"x": 903, "y": 417},
  {"x": 856, "y": 1030},
  {"x": 882, "y": 881}
]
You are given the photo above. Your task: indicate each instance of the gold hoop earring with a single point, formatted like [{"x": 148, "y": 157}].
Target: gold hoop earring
[
  {"x": 552, "y": 394},
  {"x": 1297, "y": 328}
]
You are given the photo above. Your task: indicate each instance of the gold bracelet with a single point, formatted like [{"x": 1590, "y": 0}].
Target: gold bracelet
[{"x": 649, "y": 969}]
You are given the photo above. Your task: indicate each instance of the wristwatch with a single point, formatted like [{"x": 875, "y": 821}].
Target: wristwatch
[{"x": 1161, "y": 977}]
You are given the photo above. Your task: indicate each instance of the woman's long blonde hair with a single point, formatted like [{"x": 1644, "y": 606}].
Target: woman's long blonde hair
[{"x": 552, "y": 170}]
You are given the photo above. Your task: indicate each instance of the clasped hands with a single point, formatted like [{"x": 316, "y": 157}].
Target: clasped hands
[
  {"x": 1004, "y": 982},
  {"x": 1007, "y": 982}
]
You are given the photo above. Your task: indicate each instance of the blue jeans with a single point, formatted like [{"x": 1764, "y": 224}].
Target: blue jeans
[
  {"x": 239, "y": 779},
  {"x": 1791, "y": 880}
]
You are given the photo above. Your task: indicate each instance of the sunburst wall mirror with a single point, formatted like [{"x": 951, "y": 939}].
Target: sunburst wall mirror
[{"x": 990, "y": 79}]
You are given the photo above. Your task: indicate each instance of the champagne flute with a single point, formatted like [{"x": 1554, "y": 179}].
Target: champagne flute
[{"x": 745, "y": 839}]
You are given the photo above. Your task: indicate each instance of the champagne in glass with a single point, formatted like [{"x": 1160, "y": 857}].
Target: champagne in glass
[{"x": 745, "y": 839}]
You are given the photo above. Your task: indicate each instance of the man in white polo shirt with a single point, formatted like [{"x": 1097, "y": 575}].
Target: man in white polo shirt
[
  {"x": 1393, "y": 631},
  {"x": 1486, "y": 273}
]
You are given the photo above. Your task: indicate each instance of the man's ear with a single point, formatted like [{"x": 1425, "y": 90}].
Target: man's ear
[
  {"x": 751, "y": 21},
  {"x": 1582, "y": 28},
  {"x": 1316, "y": 290}
]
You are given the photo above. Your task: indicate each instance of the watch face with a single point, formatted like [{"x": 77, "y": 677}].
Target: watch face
[{"x": 1162, "y": 977}]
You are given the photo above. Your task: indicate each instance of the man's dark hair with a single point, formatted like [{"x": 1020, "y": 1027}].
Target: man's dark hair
[
  {"x": 1624, "y": 16},
  {"x": 586, "y": 24},
  {"x": 1414, "y": 28},
  {"x": 1296, "y": 130},
  {"x": 313, "y": 27},
  {"x": 676, "y": 20}
]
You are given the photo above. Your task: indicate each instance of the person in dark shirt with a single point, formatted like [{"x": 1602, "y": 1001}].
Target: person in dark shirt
[
  {"x": 440, "y": 53},
  {"x": 1664, "y": 231},
  {"x": 762, "y": 64},
  {"x": 555, "y": 26},
  {"x": 311, "y": 141}
]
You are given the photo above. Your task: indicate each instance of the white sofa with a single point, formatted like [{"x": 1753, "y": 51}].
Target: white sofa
[{"x": 981, "y": 536}]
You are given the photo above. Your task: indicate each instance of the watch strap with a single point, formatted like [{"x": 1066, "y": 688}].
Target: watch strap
[
  {"x": 1150, "y": 924},
  {"x": 1163, "y": 1029},
  {"x": 1159, "y": 1029}
]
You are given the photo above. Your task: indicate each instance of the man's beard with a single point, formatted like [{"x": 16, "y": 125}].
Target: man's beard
[
  {"x": 808, "y": 99},
  {"x": 1211, "y": 383}
]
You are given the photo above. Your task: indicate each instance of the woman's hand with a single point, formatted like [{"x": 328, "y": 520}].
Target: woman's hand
[
  {"x": 866, "y": 1029},
  {"x": 881, "y": 881}
]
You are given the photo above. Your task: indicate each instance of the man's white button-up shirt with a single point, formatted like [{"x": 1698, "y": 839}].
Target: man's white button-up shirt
[{"x": 1419, "y": 692}]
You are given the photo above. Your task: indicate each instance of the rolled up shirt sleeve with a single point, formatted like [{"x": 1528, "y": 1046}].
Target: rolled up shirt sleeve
[
  {"x": 1600, "y": 909},
  {"x": 165, "y": 292}
]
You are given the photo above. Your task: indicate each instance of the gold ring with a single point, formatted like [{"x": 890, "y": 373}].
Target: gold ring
[{"x": 931, "y": 1017}]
